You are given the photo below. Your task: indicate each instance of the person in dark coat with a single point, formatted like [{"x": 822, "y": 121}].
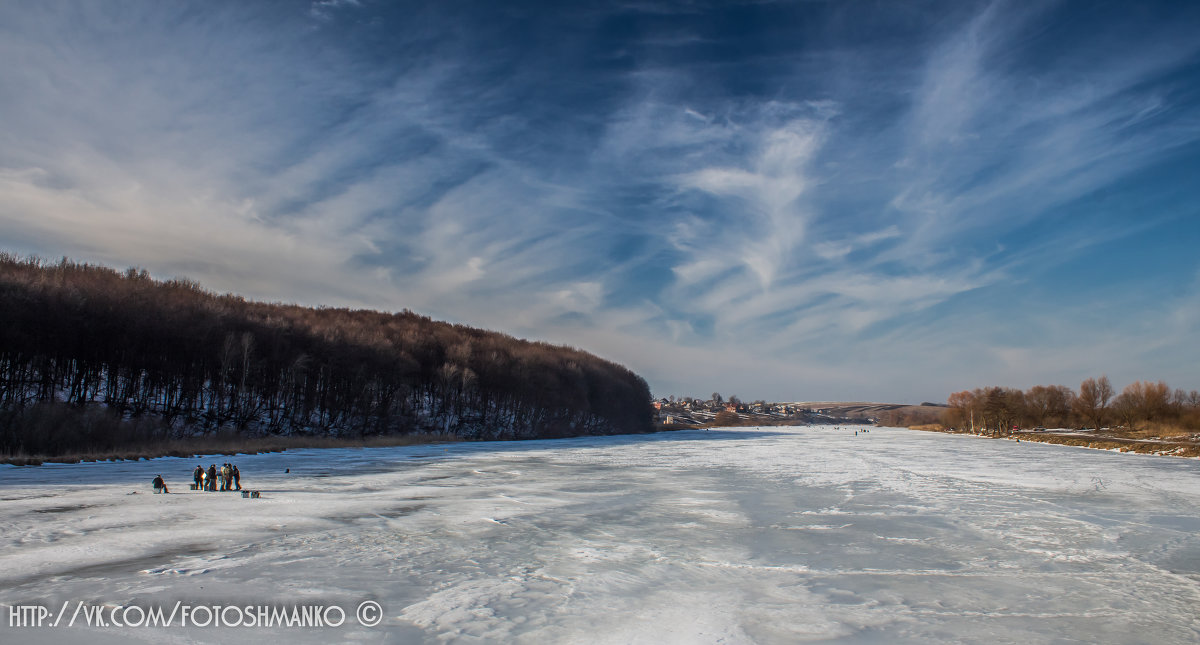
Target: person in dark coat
[
  {"x": 198, "y": 476},
  {"x": 212, "y": 477},
  {"x": 159, "y": 484},
  {"x": 237, "y": 478}
]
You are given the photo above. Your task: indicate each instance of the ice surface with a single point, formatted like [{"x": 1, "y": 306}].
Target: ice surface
[{"x": 773, "y": 535}]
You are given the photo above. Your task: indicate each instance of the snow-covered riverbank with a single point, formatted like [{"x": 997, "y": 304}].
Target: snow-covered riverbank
[{"x": 746, "y": 535}]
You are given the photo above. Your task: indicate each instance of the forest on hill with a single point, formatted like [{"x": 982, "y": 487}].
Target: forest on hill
[{"x": 93, "y": 359}]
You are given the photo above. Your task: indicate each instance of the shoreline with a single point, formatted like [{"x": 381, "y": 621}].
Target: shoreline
[
  {"x": 230, "y": 446},
  {"x": 195, "y": 447},
  {"x": 1098, "y": 442}
]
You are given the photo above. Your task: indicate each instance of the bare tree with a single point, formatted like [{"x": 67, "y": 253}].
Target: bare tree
[
  {"x": 1145, "y": 401},
  {"x": 1092, "y": 403},
  {"x": 1125, "y": 408},
  {"x": 1046, "y": 404},
  {"x": 962, "y": 411},
  {"x": 1038, "y": 402}
]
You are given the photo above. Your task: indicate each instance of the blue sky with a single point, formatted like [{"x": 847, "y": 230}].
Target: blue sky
[{"x": 781, "y": 200}]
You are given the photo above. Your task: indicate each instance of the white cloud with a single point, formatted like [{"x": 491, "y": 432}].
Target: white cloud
[{"x": 772, "y": 221}]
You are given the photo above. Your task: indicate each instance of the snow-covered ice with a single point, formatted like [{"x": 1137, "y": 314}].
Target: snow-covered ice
[{"x": 771, "y": 535}]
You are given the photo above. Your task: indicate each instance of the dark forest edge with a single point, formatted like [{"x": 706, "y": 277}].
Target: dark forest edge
[{"x": 98, "y": 362}]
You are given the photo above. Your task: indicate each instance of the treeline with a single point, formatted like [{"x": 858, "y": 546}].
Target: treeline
[
  {"x": 84, "y": 345},
  {"x": 925, "y": 414},
  {"x": 1142, "y": 404}
]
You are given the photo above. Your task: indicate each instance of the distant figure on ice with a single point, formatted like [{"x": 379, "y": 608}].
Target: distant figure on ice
[
  {"x": 237, "y": 478},
  {"x": 159, "y": 485},
  {"x": 198, "y": 476},
  {"x": 212, "y": 477}
]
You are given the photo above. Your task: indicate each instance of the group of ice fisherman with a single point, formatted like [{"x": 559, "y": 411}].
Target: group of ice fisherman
[{"x": 227, "y": 477}]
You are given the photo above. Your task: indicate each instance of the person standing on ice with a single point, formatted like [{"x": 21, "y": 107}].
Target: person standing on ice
[
  {"x": 198, "y": 476},
  {"x": 237, "y": 478},
  {"x": 212, "y": 477},
  {"x": 159, "y": 485}
]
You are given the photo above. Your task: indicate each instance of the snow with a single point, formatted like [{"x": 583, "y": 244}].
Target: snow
[{"x": 776, "y": 535}]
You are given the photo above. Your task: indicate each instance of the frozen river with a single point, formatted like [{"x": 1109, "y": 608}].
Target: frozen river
[{"x": 772, "y": 535}]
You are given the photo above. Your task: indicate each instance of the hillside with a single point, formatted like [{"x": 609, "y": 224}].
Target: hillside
[
  {"x": 91, "y": 359},
  {"x": 888, "y": 414}
]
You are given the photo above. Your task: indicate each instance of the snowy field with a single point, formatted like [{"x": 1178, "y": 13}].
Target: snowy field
[{"x": 768, "y": 535}]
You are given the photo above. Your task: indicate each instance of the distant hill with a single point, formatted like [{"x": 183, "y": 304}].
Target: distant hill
[
  {"x": 889, "y": 414},
  {"x": 78, "y": 340},
  {"x": 862, "y": 409}
]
